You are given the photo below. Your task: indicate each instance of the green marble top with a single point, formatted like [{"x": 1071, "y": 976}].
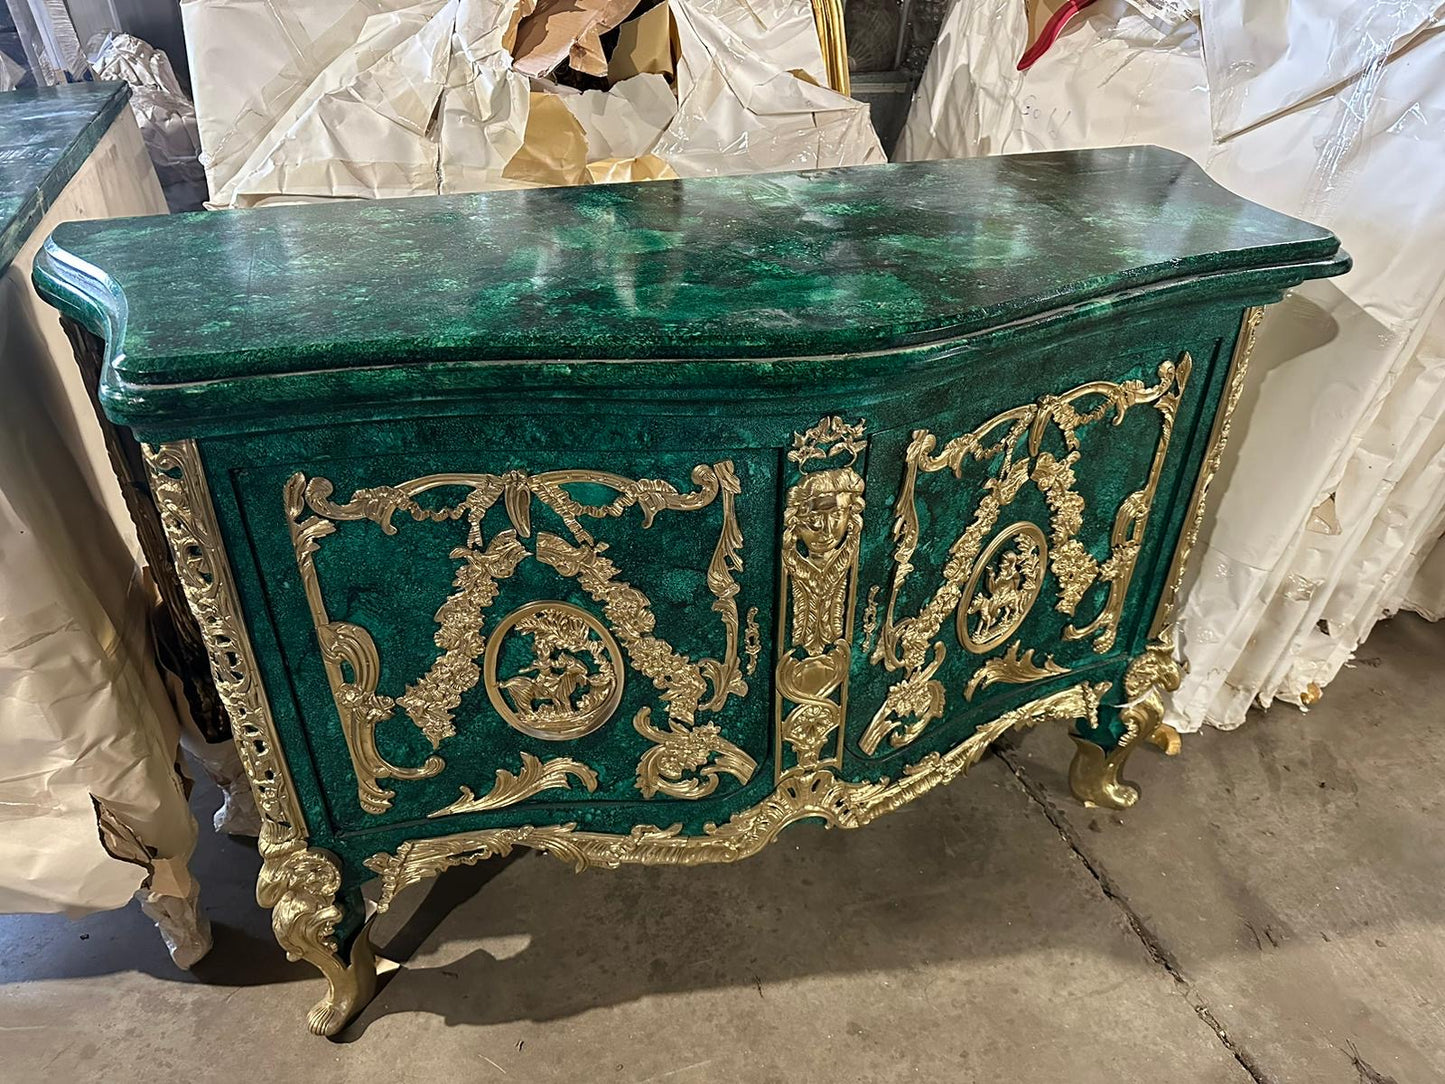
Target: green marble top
[
  {"x": 44, "y": 136},
  {"x": 686, "y": 273}
]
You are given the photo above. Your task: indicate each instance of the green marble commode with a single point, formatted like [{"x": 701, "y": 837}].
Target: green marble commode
[{"x": 633, "y": 523}]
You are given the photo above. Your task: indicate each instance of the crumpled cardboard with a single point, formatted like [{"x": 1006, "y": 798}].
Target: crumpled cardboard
[
  {"x": 646, "y": 167},
  {"x": 569, "y": 30},
  {"x": 645, "y": 46},
  {"x": 554, "y": 146},
  {"x": 316, "y": 99}
]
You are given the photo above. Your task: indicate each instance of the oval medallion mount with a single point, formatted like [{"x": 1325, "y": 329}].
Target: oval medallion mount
[
  {"x": 1003, "y": 587},
  {"x": 573, "y": 683}
]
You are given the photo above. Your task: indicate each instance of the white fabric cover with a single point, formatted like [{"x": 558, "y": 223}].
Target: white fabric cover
[
  {"x": 1426, "y": 595},
  {"x": 1331, "y": 494},
  {"x": 313, "y": 99},
  {"x": 83, "y": 710}
]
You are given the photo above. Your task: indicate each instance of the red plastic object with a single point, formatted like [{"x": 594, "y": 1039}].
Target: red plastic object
[{"x": 1050, "y": 33}]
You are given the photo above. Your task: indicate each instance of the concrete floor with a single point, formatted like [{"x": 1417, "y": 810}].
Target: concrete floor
[{"x": 1271, "y": 912}]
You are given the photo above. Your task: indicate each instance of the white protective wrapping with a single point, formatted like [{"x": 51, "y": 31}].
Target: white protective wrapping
[
  {"x": 375, "y": 98},
  {"x": 1331, "y": 494},
  {"x": 87, "y": 731},
  {"x": 166, "y": 116},
  {"x": 10, "y": 73},
  {"x": 1426, "y": 595}
]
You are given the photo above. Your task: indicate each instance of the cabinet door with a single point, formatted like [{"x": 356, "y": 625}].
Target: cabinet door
[
  {"x": 1022, "y": 551},
  {"x": 491, "y": 635}
]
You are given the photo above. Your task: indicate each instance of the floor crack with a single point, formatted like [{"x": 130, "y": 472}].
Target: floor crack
[
  {"x": 1368, "y": 1073},
  {"x": 1151, "y": 941}
]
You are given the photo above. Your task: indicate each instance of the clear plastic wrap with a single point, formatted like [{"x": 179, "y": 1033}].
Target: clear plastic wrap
[
  {"x": 10, "y": 73},
  {"x": 166, "y": 117}
]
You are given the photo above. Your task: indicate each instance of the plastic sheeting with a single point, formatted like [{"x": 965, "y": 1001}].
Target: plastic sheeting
[
  {"x": 316, "y": 99},
  {"x": 1426, "y": 595},
  {"x": 88, "y": 736},
  {"x": 166, "y": 117},
  {"x": 1331, "y": 496},
  {"x": 10, "y": 73}
]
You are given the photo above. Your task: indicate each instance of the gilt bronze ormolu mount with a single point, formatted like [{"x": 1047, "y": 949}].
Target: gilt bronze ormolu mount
[{"x": 635, "y": 523}]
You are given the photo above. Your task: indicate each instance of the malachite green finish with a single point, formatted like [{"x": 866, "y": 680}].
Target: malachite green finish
[
  {"x": 643, "y": 330},
  {"x": 773, "y": 281},
  {"x": 45, "y": 134}
]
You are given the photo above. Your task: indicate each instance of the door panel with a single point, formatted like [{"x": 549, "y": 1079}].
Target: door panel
[{"x": 494, "y": 631}]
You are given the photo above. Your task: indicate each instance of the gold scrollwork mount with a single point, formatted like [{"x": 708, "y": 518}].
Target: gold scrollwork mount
[
  {"x": 574, "y": 682},
  {"x": 990, "y": 586},
  {"x": 821, "y": 535},
  {"x": 1094, "y": 774},
  {"x": 298, "y": 882},
  {"x": 800, "y": 794}
]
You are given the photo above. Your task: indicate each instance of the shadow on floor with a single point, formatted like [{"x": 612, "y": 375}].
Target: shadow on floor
[
  {"x": 972, "y": 879},
  {"x": 815, "y": 902}
]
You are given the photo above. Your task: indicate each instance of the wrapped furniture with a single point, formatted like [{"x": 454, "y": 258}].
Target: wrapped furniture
[
  {"x": 1324, "y": 109},
  {"x": 635, "y": 523},
  {"x": 324, "y": 99},
  {"x": 92, "y": 808}
]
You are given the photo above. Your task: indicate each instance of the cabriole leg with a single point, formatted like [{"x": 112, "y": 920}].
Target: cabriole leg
[
  {"x": 1094, "y": 775},
  {"x": 314, "y": 921}
]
